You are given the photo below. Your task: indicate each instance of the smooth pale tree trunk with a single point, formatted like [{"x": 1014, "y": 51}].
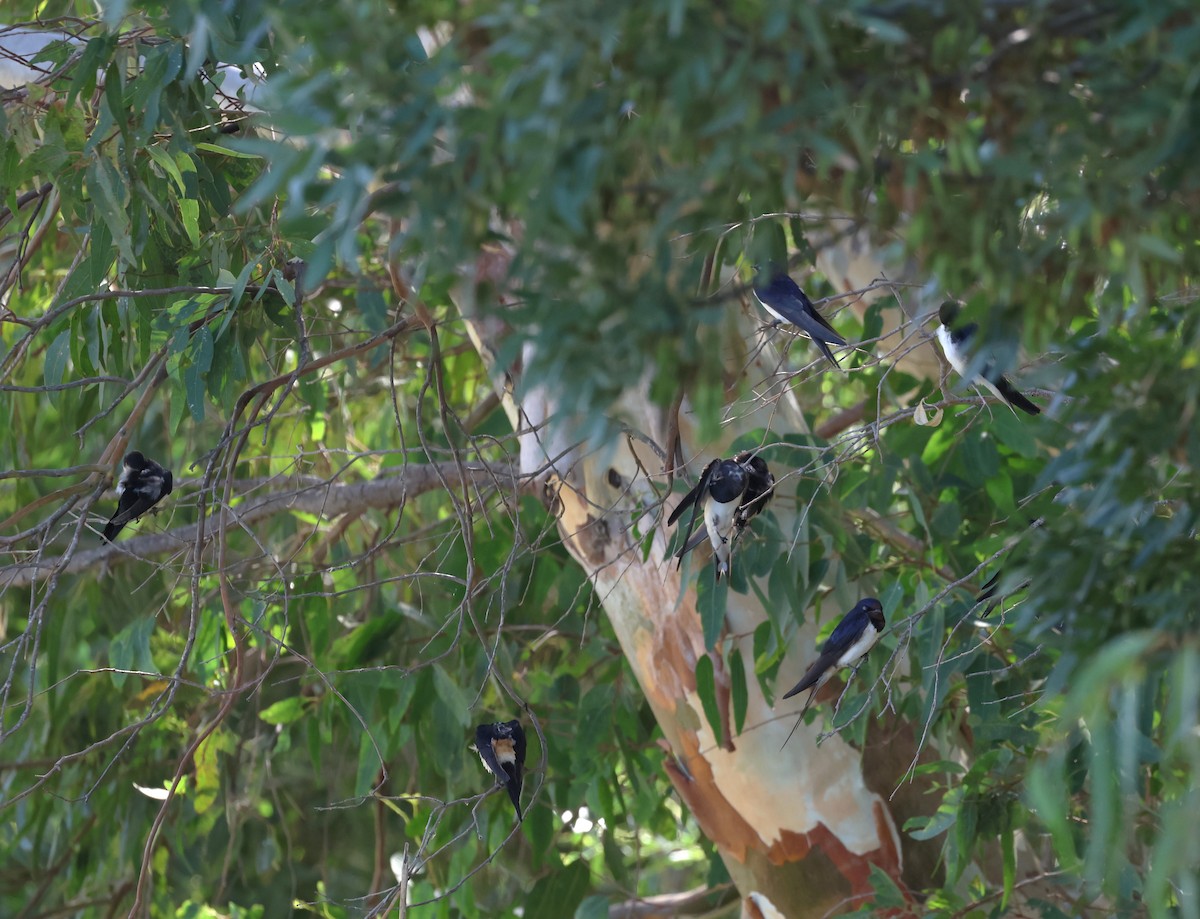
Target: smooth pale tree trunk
[{"x": 799, "y": 826}]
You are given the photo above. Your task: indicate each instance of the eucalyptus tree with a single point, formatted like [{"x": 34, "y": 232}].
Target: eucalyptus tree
[{"x": 436, "y": 312}]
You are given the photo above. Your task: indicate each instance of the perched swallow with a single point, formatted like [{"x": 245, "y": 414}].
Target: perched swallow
[
  {"x": 783, "y": 299},
  {"x": 501, "y": 746},
  {"x": 957, "y": 345},
  {"x": 730, "y": 492},
  {"x": 142, "y": 484},
  {"x": 852, "y": 638},
  {"x": 990, "y": 593},
  {"x": 760, "y": 489}
]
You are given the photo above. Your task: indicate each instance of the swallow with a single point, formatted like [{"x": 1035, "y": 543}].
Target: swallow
[
  {"x": 783, "y": 299},
  {"x": 957, "y": 345},
  {"x": 852, "y": 638},
  {"x": 760, "y": 489},
  {"x": 990, "y": 593},
  {"x": 142, "y": 484},
  {"x": 730, "y": 492},
  {"x": 501, "y": 746}
]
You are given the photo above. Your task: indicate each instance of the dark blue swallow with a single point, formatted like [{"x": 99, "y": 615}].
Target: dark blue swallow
[
  {"x": 501, "y": 746},
  {"x": 730, "y": 492},
  {"x": 990, "y": 594},
  {"x": 958, "y": 345},
  {"x": 142, "y": 484},
  {"x": 783, "y": 299},
  {"x": 852, "y": 638},
  {"x": 760, "y": 489}
]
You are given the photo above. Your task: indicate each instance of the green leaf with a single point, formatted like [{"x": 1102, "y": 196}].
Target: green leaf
[
  {"x": 373, "y": 308},
  {"x": 189, "y": 212},
  {"x": 227, "y": 151},
  {"x": 1014, "y": 434},
  {"x": 706, "y": 689},
  {"x": 1009, "y": 851},
  {"x": 923, "y": 828},
  {"x": 208, "y": 771},
  {"x": 95, "y": 54},
  {"x": 1000, "y": 490},
  {"x": 945, "y": 521},
  {"x": 451, "y": 696},
  {"x": 711, "y": 598},
  {"x": 739, "y": 689},
  {"x": 593, "y": 907},
  {"x": 368, "y": 764},
  {"x": 888, "y": 894},
  {"x": 193, "y": 387},
  {"x": 541, "y": 823},
  {"x": 166, "y": 162},
  {"x": 57, "y": 356},
  {"x": 559, "y": 894},
  {"x": 285, "y": 711},
  {"x": 202, "y": 349},
  {"x": 111, "y": 200},
  {"x": 979, "y": 458},
  {"x": 130, "y": 649}
]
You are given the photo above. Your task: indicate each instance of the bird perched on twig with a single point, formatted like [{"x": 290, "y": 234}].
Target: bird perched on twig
[
  {"x": 730, "y": 492},
  {"x": 501, "y": 746},
  {"x": 852, "y": 638},
  {"x": 990, "y": 594},
  {"x": 142, "y": 484},
  {"x": 783, "y": 299},
  {"x": 958, "y": 345}
]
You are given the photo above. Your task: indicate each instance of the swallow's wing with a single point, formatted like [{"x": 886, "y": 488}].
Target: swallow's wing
[
  {"x": 846, "y": 633},
  {"x": 811, "y": 311},
  {"x": 516, "y": 776},
  {"x": 813, "y": 325},
  {"x": 131, "y": 506},
  {"x": 518, "y": 735},
  {"x": 164, "y": 481},
  {"x": 760, "y": 487},
  {"x": 137, "y": 504},
  {"x": 786, "y": 299},
  {"x": 1015, "y": 397},
  {"x": 991, "y": 594},
  {"x": 699, "y": 537},
  {"x": 483, "y": 745},
  {"x": 990, "y": 586},
  {"x": 692, "y": 496},
  {"x": 696, "y": 498},
  {"x": 823, "y": 345},
  {"x": 814, "y": 672}
]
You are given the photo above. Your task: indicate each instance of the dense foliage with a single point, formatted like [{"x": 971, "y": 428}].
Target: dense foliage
[{"x": 349, "y": 575}]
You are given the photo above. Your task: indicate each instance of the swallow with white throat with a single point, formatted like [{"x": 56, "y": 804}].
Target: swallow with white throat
[
  {"x": 142, "y": 484},
  {"x": 730, "y": 492},
  {"x": 783, "y": 299},
  {"x": 959, "y": 343},
  {"x": 852, "y": 638}
]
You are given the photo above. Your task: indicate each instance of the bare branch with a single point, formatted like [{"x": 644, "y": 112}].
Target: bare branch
[{"x": 312, "y": 497}]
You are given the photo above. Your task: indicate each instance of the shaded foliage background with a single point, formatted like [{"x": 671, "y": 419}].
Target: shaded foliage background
[{"x": 585, "y": 179}]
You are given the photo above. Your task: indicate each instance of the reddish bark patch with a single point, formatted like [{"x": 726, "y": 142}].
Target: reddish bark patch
[
  {"x": 856, "y": 869},
  {"x": 717, "y": 817}
]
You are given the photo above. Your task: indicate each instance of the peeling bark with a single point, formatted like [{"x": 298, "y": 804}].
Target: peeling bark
[{"x": 799, "y": 827}]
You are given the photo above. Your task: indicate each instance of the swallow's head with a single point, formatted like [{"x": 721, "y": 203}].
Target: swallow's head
[
  {"x": 948, "y": 312},
  {"x": 874, "y": 610}
]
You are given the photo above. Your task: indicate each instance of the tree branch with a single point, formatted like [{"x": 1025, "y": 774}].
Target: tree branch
[
  {"x": 311, "y": 495},
  {"x": 699, "y": 902}
]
